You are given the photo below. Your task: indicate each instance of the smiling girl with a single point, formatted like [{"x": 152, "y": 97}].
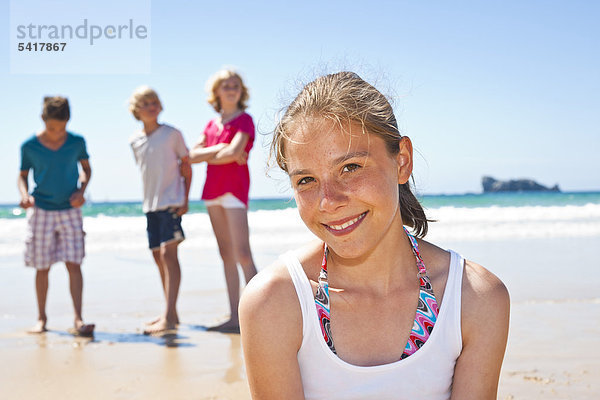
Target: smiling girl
[{"x": 369, "y": 310}]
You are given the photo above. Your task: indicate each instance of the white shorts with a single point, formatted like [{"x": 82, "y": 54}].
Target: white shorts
[
  {"x": 54, "y": 236},
  {"x": 228, "y": 200}
]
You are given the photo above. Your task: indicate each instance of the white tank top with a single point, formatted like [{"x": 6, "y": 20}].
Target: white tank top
[{"x": 426, "y": 375}]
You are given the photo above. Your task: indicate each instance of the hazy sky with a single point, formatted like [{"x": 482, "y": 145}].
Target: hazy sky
[{"x": 502, "y": 88}]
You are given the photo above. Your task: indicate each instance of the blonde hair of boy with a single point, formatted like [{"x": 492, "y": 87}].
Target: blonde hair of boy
[
  {"x": 142, "y": 94},
  {"x": 213, "y": 84}
]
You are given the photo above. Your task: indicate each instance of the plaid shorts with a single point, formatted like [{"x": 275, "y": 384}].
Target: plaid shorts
[{"x": 54, "y": 236}]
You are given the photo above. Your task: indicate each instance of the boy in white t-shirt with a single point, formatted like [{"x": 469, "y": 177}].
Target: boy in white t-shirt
[{"x": 162, "y": 156}]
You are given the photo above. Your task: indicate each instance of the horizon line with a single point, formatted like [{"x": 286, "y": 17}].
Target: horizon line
[{"x": 286, "y": 198}]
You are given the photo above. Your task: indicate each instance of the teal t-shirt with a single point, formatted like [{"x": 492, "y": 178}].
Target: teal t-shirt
[{"x": 55, "y": 172}]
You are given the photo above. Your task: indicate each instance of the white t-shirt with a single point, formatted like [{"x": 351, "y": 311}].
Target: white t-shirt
[
  {"x": 426, "y": 375},
  {"x": 158, "y": 156}
]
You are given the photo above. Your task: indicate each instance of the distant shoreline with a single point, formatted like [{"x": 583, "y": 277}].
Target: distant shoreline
[
  {"x": 431, "y": 202},
  {"x": 420, "y": 195}
]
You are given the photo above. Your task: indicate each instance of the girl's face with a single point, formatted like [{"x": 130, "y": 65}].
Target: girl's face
[
  {"x": 229, "y": 92},
  {"x": 148, "y": 110},
  {"x": 346, "y": 184}
]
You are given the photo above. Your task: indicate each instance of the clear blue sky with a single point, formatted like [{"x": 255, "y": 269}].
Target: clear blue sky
[{"x": 503, "y": 88}]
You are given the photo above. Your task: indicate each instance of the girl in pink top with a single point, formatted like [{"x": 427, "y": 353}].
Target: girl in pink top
[{"x": 225, "y": 145}]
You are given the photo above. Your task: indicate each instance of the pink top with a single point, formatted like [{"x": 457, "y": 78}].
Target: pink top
[{"x": 228, "y": 178}]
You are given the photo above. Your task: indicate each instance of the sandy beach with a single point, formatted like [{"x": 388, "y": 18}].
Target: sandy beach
[{"x": 553, "y": 350}]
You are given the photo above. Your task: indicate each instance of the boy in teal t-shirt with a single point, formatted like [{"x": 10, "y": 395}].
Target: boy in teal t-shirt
[{"x": 55, "y": 224}]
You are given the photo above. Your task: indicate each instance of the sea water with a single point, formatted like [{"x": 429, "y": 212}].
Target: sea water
[{"x": 275, "y": 223}]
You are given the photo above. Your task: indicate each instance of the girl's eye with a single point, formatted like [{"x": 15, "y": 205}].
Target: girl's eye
[
  {"x": 304, "y": 181},
  {"x": 351, "y": 167}
]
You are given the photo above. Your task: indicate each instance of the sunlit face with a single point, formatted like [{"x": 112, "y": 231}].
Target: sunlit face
[
  {"x": 55, "y": 128},
  {"x": 229, "y": 92},
  {"x": 345, "y": 183},
  {"x": 148, "y": 110}
]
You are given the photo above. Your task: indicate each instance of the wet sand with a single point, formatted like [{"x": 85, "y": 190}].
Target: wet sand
[
  {"x": 122, "y": 291},
  {"x": 190, "y": 365},
  {"x": 553, "y": 350}
]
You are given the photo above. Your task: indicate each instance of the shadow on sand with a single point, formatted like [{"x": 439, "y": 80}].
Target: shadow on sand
[{"x": 169, "y": 339}]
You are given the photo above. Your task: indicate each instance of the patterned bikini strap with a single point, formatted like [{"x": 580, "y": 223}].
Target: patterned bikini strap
[
  {"x": 323, "y": 273},
  {"x": 415, "y": 249}
]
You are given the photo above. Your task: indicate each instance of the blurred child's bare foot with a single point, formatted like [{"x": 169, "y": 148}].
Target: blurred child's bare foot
[
  {"x": 40, "y": 327},
  {"x": 231, "y": 326},
  {"x": 157, "y": 319},
  {"x": 81, "y": 329},
  {"x": 159, "y": 327}
]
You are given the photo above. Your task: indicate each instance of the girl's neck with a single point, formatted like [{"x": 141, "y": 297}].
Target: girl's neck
[
  {"x": 150, "y": 126},
  {"x": 391, "y": 263},
  {"x": 227, "y": 114}
]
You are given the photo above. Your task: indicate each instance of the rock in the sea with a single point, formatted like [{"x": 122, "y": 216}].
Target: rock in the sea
[{"x": 514, "y": 185}]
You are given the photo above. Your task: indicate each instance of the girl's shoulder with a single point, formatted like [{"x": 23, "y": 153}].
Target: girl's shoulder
[
  {"x": 483, "y": 292},
  {"x": 269, "y": 308},
  {"x": 484, "y": 319},
  {"x": 485, "y": 302},
  {"x": 243, "y": 122},
  {"x": 273, "y": 286},
  {"x": 212, "y": 125}
]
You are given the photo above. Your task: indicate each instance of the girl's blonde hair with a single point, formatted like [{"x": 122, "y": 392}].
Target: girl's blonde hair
[
  {"x": 215, "y": 81},
  {"x": 345, "y": 97},
  {"x": 142, "y": 94}
]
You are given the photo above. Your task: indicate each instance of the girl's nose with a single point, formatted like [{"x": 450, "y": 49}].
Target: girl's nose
[{"x": 332, "y": 197}]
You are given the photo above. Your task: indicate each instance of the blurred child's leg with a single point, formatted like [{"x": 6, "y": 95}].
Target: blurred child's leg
[
  {"x": 153, "y": 229},
  {"x": 237, "y": 218},
  {"x": 41, "y": 292},
  {"x": 172, "y": 279},
  {"x": 170, "y": 261},
  {"x": 76, "y": 288},
  {"x": 218, "y": 219},
  {"x": 164, "y": 235},
  {"x": 161, "y": 268},
  {"x": 39, "y": 253},
  {"x": 70, "y": 247}
]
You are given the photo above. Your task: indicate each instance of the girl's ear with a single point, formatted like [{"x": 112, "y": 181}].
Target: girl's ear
[{"x": 404, "y": 158}]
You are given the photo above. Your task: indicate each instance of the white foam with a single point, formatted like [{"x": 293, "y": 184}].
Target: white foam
[
  {"x": 282, "y": 229},
  {"x": 493, "y": 223}
]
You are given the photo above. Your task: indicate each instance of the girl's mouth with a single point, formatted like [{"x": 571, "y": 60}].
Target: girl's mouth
[{"x": 346, "y": 226}]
